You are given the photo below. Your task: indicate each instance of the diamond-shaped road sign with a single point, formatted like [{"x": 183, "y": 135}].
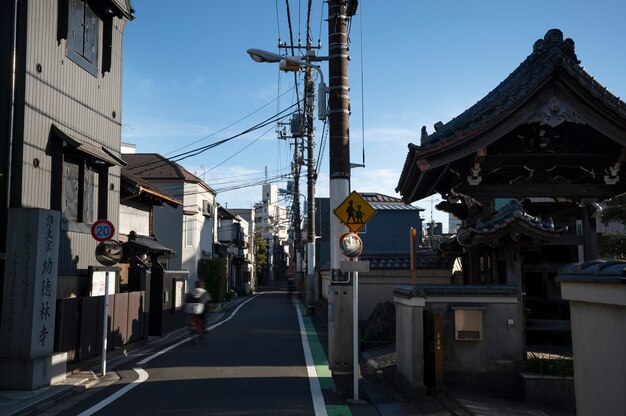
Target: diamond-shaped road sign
[{"x": 354, "y": 211}]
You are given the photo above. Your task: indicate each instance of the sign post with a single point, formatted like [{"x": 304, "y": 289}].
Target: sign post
[
  {"x": 108, "y": 253},
  {"x": 354, "y": 212}
]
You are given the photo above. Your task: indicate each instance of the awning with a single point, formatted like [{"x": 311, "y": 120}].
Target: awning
[{"x": 100, "y": 153}]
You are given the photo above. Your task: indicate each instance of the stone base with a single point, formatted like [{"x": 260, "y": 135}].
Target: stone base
[
  {"x": 415, "y": 391},
  {"x": 550, "y": 390},
  {"x": 32, "y": 374}
]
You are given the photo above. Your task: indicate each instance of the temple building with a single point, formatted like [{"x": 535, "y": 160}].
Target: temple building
[{"x": 526, "y": 169}]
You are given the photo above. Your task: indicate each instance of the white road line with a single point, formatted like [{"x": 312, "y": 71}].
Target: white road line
[
  {"x": 316, "y": 391},
  {"x": 143, "y": 375}
]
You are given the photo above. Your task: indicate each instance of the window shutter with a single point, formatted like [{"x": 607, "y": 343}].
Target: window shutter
[
  {"x": 75, "y": 33},
  {"x": 88, "y": 195},
  {"x": 90, "y": 51},
  {"x": 70, "y": 190}
]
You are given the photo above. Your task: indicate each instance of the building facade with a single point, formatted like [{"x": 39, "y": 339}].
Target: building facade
[
  {"x": 60, "y": 112},
  {"x": 190, "y": 229}
]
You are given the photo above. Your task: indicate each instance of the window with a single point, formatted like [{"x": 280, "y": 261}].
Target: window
[
  {"x": 80, "y": 193},
  {"x": 468, "y": 323},
  {"x": 80, "y": 181},
  {"x": 83, "y": 29},
  {"x": 189, "y": 220},
  {"x": 206, "y": 208}
]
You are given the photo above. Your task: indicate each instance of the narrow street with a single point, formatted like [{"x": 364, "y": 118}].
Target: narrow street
[{"x": 252, "y": 364}]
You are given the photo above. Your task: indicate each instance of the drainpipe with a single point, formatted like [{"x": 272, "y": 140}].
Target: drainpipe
[{"x": 12, "y": 111}]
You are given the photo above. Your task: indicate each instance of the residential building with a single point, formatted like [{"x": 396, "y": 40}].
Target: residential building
[
  {"x": 138, "y": 201},
  {"x": 248, "y": 215},
  {"x": 60, "y": 118},
  {"x": 190, "y": 229},
  {"x": 233, "y": 246}
]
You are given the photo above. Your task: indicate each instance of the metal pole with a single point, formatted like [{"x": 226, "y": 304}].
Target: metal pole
[
  {"x": 340, "y": 295},
  {"x": 105, "y": 320},
  {"x": 355, "y": 337}
]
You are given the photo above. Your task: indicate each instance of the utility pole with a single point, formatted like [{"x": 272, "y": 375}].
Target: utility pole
[
  {"x": 297, "y": 238},
  {"x": 309, "y": 88},
  {"x": 340, "y": 296}
]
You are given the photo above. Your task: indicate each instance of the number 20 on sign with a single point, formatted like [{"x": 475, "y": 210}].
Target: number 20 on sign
[{"x": 102, "y": 230}]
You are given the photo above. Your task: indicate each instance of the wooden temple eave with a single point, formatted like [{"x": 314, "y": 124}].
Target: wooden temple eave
[
  {"x": 517, "y": 230},
  {"x": 574, "y": 192},
  {"x": 549, "y": 93}
]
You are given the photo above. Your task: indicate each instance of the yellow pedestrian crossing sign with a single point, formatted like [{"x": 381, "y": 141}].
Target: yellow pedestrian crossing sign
[{"x": 354, "y": 211}]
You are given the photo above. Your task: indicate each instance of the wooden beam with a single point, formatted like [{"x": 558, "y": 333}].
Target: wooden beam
[{"x": 518, "y": 190}]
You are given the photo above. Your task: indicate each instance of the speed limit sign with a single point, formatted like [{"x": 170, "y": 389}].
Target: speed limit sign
[{"x": 102, "y": 230}]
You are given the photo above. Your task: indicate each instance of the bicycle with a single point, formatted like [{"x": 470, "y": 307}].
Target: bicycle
[{"x": 195, "y": 320}]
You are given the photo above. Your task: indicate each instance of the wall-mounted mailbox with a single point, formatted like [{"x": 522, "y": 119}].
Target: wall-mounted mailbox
[{"x": 468, "y": 323}]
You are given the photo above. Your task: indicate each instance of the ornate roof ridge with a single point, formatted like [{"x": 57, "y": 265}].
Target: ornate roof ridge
[{"x": 548, "y": 54}]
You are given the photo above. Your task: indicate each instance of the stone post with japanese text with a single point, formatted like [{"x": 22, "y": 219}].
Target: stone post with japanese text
[{"x": 27, "y": 361}]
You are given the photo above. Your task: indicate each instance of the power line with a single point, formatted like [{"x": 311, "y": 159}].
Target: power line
[
  {"x": 199, "y": 150},
  {"x": 232, "y": 124},
  {"x": 241, "y": 150}
]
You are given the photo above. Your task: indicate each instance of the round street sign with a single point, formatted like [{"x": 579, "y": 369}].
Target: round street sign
[
  {"x": 351, "y": 245},
  {"x": 102, "y": 230},
  {"x": 109, "y": 253}
]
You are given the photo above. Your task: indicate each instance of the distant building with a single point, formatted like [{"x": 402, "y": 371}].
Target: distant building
[
  {"x": 454, "y": 224},
  {"x": 248, "y": 215},
  {"x": 272, "y": 223},
  {"x": 386, "y": 234}
]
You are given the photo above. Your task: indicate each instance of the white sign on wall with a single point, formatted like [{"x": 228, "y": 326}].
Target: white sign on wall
[{"x": 97, "y": 283}]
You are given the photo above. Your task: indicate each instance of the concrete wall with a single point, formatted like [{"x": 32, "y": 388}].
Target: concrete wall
[
  {"x": 377, "y": 286},
  {"x": 491, "y": 363},
  {"x": 410, "y": 343},
  {"x": 168, "y": 223},
  {"x": 598, "y": 317},
  {"x": 134, "y": 217}
]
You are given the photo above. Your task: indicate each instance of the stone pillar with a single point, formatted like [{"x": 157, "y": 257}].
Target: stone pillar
[
  {"x": 27, "y": 361},
  {"x": 410, "y": 302},
  {"x": 597, "y": 298}
]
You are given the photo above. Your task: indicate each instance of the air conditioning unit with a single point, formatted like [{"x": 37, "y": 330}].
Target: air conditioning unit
[{"x": 206, "y": 208}]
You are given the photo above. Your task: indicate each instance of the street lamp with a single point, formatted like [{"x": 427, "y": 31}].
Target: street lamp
[{"x": 291, "y": 63}]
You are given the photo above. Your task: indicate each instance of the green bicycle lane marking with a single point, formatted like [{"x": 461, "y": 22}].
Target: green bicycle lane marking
[{"x": 320, "y": 361}]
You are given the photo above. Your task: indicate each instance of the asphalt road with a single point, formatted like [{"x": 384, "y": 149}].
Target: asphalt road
[{"x": 253, "y": 364}]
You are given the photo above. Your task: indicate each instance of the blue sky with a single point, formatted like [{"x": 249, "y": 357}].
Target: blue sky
[{"x": 188, "y": 81}]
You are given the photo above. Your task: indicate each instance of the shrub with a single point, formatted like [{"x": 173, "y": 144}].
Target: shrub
[
  {"x": 550, "y": 364},
  {"x": 213, "y": 273}
]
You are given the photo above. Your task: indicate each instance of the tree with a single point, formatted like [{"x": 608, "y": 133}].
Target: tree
[
  {"x": 614, "y": 211},
  {"x": 260, "y": 257}
]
